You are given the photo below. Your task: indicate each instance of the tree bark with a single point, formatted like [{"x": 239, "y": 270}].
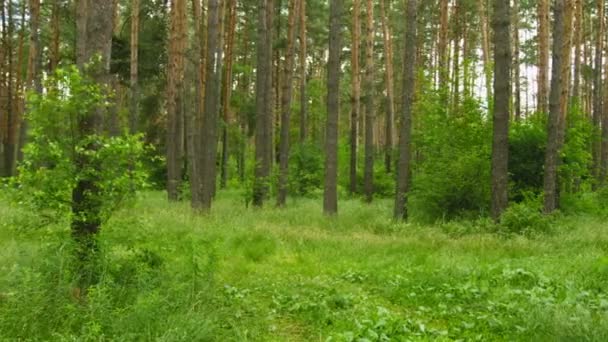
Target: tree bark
[
  {"x": 368, "y": 172},
  {"x": 390, "y": 99},
  {"x": 10, "y": 139},
  {"x": 212, "y": 102},
  {"x": 543, "y": 63},
  {"x": 597, "y": 86},
  {"x": 578, "y": 40},
  {"x": 409, "y": 78},
  {"x": 263, "y": 144},
  {"x": 133, "y": 81},
  {"x": 442, "y": 48},
  {"x": 330, "y": 195},
  {"x": 194, "y": 125},
  {"x": 502, "y": 94},
  {"x": 516, "y": 62},
  {"x": 552, "y": 153},
  {"x": 227, "y": 91},
  {"x": 55, "y": 36},
  {"x": 286, "y": 103},
  {"x": 175, "y": 76},
  {"x": 485, "y": 47},
  {"x": 356, "y": 94},
  {"x": 303, "y": 71}
]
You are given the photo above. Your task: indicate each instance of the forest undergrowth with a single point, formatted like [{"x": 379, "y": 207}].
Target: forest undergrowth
[{"x": 293, "y": 274}]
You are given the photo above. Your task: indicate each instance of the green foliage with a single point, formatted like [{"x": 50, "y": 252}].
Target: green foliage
[
  {"x": 451, "y": 175},
  {"x": 527, "y": 143},
  {"x": 525, "y": 218},
  {"x": 49, "y": 172},
  {"x": 306, "y": 169},
  {"x": 292, "y": 274},
  {"x": 577, "y": 158}
]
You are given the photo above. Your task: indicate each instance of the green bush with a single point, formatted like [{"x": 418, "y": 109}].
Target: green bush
[
  {"x": 451, "y": 176},
  {"x": 524, "y": 218},
  {"x": 305, "y": 169},
  {"x": 56, "y": 146},
  {"x": 527, "y": 143}
]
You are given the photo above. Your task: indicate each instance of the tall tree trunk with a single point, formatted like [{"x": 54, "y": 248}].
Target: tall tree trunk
[
  {"x": 194, "y": 118},
  {"x": 263, "y": 143},
  {"x": 485, "y": 47},
  {"x": 565, "y": 73},
  {"x": 604, "y": 139},
  {"x": 286, "y": 103},
  {"x": 543, "y": 63},
  {"x": 330, "y": 195},
  {"x": 55, "y": 35},
  {"x": 227, "y": 90},
  {"x": 212, "y": 102},
  {"x": 552, "y": 153},
  {"x": 134, "y": 99},
  {"x": 368, "y": 172},
  {"x": 444, "y": 69},
  {"x": 578, "y": 40},
  {"x": 355, "y": 95},
  {"x": 94, "y": 38},
  {"x": 516, "y": 62},
  {"x": 11, "y": 131},
  {"x": 390, "y": 106},
  {"x": 409, "y": 79},
  {"x": 457, "y": 14},
  {"x": 303, "y": 71},
  {"x": 175, "y": 76},
  {"x": 502, "y": 94},
  {"x": 597, "y": 84}
]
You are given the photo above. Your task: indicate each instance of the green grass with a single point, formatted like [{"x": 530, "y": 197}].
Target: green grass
[{"x": 294, "y": 275}]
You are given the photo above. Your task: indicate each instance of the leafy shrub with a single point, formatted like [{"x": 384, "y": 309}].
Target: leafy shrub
[
  {"x": 50, "y": 169},
  {"x": 524, "y": 218},
  {"x": 305, "y": 169},
  {"x": 451, "y": 176},
  {"x": 527, "y": 143}
]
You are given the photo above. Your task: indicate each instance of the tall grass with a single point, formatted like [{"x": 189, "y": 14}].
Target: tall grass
[{"x": 292, "y": 274}]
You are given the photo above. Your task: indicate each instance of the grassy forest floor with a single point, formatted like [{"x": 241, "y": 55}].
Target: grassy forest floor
[{"x": 294, "y": 275}]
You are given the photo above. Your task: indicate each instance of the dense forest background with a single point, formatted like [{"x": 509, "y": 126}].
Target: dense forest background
[
  {"x": 479, "y": 116},
  {"x": 241, "y": 94}
]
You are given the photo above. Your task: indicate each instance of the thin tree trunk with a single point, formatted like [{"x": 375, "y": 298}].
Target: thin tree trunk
[
  {"x": 330, "y": 195},
  {"x": 356, "y": 94},
  {"x": 134, "y": 99},
  {"x": 543, "y": 63},
  {"x": 194, "y": 118},
  {"x": 552, "y": 153},
  {"x": 409, "y": 79},
  {"x": 390, "y": 110},
  {"x": 11, "y": 131},
  {"x": 516, "y": 62},
  {"x": 578, "y": 39},
  {"x": 263, "y": 144},
  {"x": 443, "y": 50},
  {"x": 485, "y": 47},
  {"x": 212, "y": 102},
  {"x": 227, "y": 90},
  {"x": 286, "y": 103},
  {"x": 502, "y": 95},
  {"x": 55, "y": 36},
  {"x": 303, "y": 69},
  {"x": 368, "y": 172},
  {"x": 175, "y": 75},
  {"x": 597, "y": 85},
  {"x": 457, "y": 32}
]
